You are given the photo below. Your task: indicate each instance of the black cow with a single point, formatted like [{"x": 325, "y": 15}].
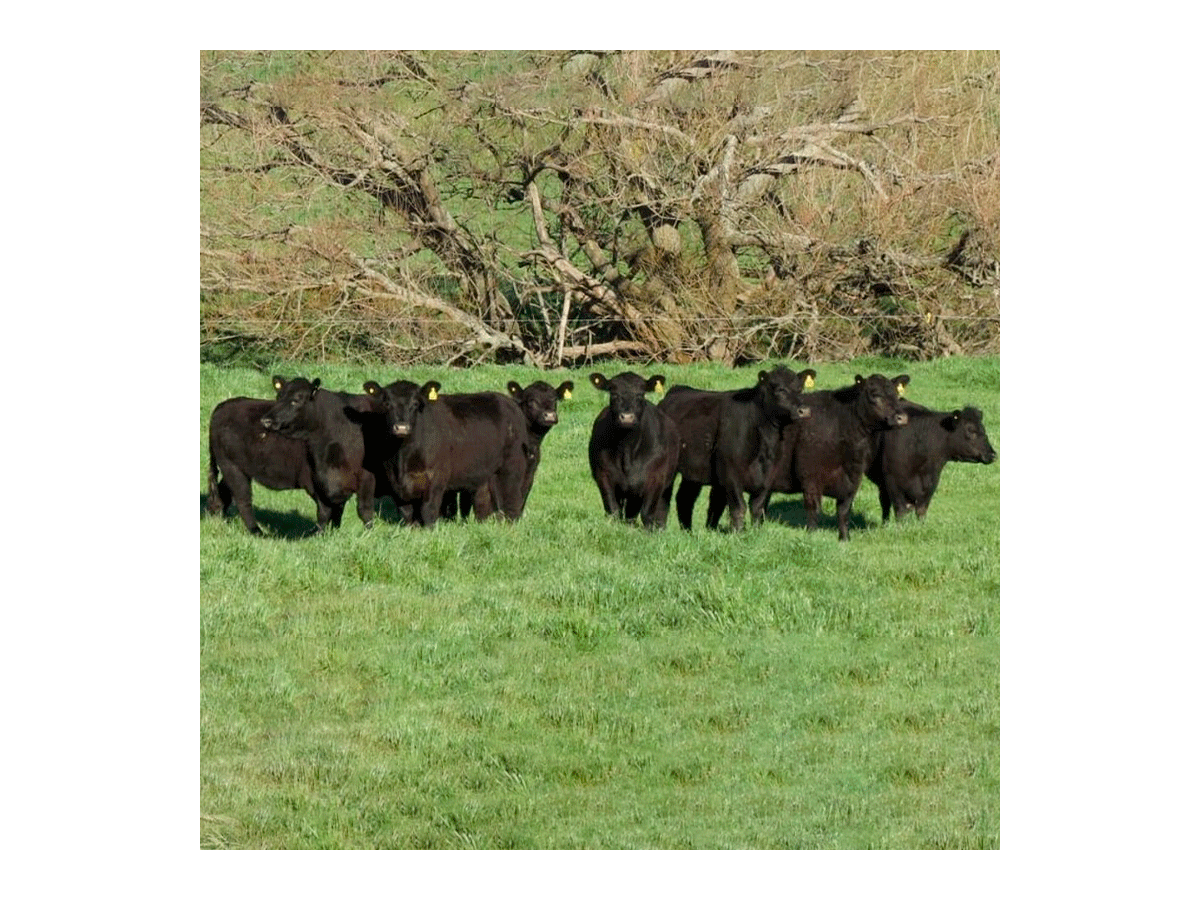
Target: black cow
[
  {"x": 749, "y": 440},
  {"x": 539, "y": 403},
  {"x": 633, "y": 450},
  {"x": 453, "y": 442},
  {"x": 831, "y": 449},
  {"x": 696, "y": 414},
  {"x": 908, "y": 461},
  {"x": 331, "y": 426},
  {"x": 241, "y": 450}
]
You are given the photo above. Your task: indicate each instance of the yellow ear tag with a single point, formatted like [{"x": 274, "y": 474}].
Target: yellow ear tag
[
  {"x": 900, "y": 389},
  {"x": 433, "y": 394},
  {"x": 658, "y": 387},
  {"x": 567, "y": 394},
  {"x": 808, "y": 381}
]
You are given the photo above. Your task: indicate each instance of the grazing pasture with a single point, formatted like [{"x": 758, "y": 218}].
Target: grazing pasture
[{"x": 574, "y": 681}]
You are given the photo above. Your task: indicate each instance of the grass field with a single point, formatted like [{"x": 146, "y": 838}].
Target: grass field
[{"x": 573, "y": 682}]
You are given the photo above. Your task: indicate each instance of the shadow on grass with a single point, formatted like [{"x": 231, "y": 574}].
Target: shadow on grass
[
  {"x": 293, "y": 526},
  {"x": 792, "y": 512}
]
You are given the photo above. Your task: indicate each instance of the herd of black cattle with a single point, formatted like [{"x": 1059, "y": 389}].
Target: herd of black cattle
[{"x": 444, "y": 455}]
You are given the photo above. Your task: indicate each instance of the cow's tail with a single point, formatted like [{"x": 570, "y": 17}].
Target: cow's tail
[{"x": 216, "y": 503}]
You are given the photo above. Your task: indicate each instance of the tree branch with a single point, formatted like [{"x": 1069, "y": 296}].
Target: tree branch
[{"x": 483, "y": 333}]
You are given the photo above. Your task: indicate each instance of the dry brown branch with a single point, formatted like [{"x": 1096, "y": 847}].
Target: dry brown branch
[
  {"x": 484, "y": 335},
  {"x": 598, "y": 117},
  {"x": 608, "y": 348}
]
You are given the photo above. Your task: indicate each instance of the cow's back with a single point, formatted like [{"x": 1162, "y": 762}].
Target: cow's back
[
  {"x": 476, "y": 435},
  {"x": 236, "y": 437}
]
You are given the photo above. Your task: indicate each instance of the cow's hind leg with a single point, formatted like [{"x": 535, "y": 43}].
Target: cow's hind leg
[
  {"x": 219, "y": 496},
  {"x": 812, "y": 506},
  {"x": 716, "y": 505},
  {"x": 685, "y": 501},
  {"x": 507, "y": 486},
  {"x": 366, "y": 498},
  {"x": 480, "y": 501},
  {"x": 629, "y": 504},
  {"x": 327, "y": 512},
  {"x": 656, "y": 503},
  {"x": 758, "y": 507},
  {"x": 431, "y": 504},
  {"x": 238, "y": 485},
  {"x": 843, "y": 517},
  {"x": 737, "y": 506}
]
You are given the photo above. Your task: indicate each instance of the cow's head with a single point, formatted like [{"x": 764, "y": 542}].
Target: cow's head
[
  {"x": 402, "y": 402},
  {"x": 779, "y": 393},
  {"x": 539, "y": 402},
  {"x": 880, "y": 399},
  {"x": 291, "y": 399},
  {"x": 968, "y": 439},
  {"x": 626, "y": 395}
]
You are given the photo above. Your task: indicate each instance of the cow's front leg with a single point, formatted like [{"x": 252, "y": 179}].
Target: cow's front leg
[{"x": 608, "y": 495}]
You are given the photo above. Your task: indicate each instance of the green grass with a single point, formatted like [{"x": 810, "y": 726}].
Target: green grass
[{"x": 573, "y": 682}]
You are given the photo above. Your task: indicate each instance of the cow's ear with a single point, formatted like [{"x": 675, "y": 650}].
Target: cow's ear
[
  {"x": 858, "y": 379},
  {"x": 762, "y": 376},
  {"x": 901, "y": 383},
  {"x": 564, "y": 390},
  {"x": 277, "y": 381},
  {"x": 514, "y": 388},
  {"x": 655, "y": 383},
  {"x": 372, "y": 388},
  {"x": 951, "y": 421},
  {"x": 809, "y": 378},
  {"x": 429, "y": 390},
  {"x": 599, "y": 381},
  {"x": 316, "y": 386}
]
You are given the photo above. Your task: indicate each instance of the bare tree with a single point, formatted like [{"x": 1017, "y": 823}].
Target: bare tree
[{"x": 553, "y": 207}]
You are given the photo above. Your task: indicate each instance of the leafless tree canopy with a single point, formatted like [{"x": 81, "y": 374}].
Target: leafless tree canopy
[{"x": 551, "y": 207}]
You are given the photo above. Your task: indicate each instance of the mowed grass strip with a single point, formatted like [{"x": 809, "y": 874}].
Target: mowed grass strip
[{"x": 572, "y": 682}]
